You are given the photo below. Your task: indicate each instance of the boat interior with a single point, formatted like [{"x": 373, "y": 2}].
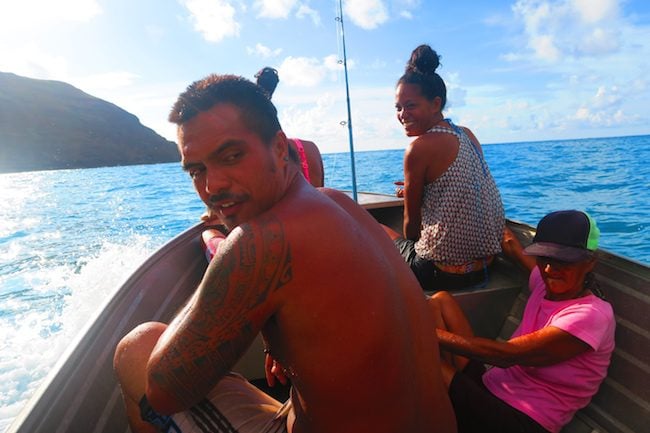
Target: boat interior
[
  {"x": 622, "y": 403},
  {"x": 81, "y": 393}
]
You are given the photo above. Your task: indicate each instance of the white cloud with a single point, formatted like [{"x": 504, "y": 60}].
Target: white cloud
[
  {"x": 105, "y": 82},
  {"x": 599, "y": 41},
  {"x": 405, "y": 8},
  {"x": 620, "y": 118},
  {"x": 601, "y": 116},
  {"x": 456, "y": 94},
  {"x": 263, "y": 51},
  {"x": 593, "y": 11},
  {"x": 607, "y": 97},
  {"x": 585, "y": 115},
  {"x": 32, "y": 61},
  {"x": 380, "y": 127},
  {"x": 533, "y": 13},
  {"x": 367, "y": 14},
  {"x": 306, "y": 11},
  {"x": 214, "y": 19},
  {"x": 511, "y": 57},
  {"x": 282, "y": 9},
  {"x": 558, "y": 29},
  {"x": 456, "y": 97},
  {"x": 274, "y": 8},
  {"x": 28, "y": 14},
  {"x": 545, "y": 47},
  {"x": 24, "y": 23},
  {"x": 302, "y": 71},
  {"x": 334, "y": 63},
  {"x": 321, "y": 115},
  {"x": 310, "y": 71},
  {"x": 312, "y": 104},
  {"x": 411, "y": 4},
  {"x": 308, "y": 120}
]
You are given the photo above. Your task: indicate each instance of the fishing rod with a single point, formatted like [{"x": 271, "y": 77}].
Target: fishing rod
[{"x": 347, "y": 94}]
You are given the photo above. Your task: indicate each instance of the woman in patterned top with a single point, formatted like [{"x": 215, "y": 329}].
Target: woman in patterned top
[{"x": 453, "y": 214}]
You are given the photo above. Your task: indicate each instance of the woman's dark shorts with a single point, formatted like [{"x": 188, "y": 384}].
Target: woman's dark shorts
[
  {"x": 478, "y": 410},
  {"x": 431, "y": 278}
]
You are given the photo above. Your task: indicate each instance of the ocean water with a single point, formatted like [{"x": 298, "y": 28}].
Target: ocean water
[{"x": 68, "y": 238}]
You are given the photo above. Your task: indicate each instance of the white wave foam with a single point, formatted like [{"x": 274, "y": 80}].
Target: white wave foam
[{"x": 32, "y": 341}]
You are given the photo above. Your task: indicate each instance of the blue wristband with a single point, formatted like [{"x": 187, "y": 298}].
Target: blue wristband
[{"x": 162, "y": 422}]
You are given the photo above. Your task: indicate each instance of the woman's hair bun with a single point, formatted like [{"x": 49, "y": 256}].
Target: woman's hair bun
[
  {"x": 423, "y": 60},
  {"x": 267, "y": 79}
]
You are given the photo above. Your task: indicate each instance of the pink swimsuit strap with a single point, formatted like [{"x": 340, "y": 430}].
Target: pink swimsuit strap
[{"x": 303, "y": 158}]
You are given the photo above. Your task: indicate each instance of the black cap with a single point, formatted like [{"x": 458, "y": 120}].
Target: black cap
[{"x": 567, "y": 235}]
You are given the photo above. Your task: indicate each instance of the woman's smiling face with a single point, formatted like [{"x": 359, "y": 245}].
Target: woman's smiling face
[{"x": 415, "y": 112}]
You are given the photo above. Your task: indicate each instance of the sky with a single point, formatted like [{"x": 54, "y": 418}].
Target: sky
[{"x": 524, "y": 70}]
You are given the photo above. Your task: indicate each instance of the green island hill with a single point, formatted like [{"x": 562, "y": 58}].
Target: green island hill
[{"x": 51, "y": 125}]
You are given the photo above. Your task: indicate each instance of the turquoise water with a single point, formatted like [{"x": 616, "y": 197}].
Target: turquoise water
[{"x": 70, "y": 237}]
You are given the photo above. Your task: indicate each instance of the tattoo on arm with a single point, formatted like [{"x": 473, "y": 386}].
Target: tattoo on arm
[{"x": 226, "y": 314}]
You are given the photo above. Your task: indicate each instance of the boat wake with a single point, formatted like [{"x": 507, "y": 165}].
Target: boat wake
[{"x": 44, "y": 311}]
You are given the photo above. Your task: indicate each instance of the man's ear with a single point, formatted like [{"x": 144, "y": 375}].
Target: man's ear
[{"x": 281, "y": 146}]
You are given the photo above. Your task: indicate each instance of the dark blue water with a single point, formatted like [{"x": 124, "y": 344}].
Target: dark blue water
[{"x": 68, "y": 238}]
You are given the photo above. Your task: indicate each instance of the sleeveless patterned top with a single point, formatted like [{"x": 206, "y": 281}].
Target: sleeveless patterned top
[{"x": 462, "y": 212}]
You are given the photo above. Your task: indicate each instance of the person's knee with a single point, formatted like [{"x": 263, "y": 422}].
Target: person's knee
[
  {"x": 434, "y": 303},
  {"x": 438, "y": 300},
  {"x": 441, "y": 305},
  {"x": 442, "y": 300},
  {"x": 137, "y": 344},
  {"x": 133, "y": 351},
  {"x": 442, "y": 296},
  {"x": 436, "y": 311}
]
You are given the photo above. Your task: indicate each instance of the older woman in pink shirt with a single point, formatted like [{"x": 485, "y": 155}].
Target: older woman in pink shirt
[{"x": 559, "y": 354}]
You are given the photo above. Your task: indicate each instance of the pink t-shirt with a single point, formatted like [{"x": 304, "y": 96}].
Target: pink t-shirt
[{"x": 551, "y": 395}]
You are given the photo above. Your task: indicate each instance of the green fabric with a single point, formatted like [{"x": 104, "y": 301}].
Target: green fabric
[{"x": 594, "y": 234}]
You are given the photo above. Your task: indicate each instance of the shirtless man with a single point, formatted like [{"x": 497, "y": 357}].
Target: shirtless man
[{"x": 336, "y": 304}]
